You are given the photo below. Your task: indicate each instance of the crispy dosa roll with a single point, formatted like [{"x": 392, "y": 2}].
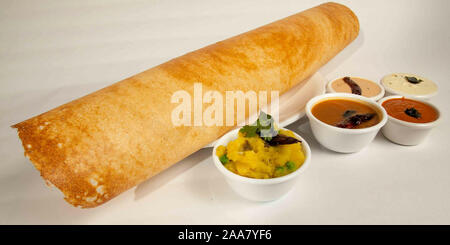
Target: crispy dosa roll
[{"x": 98, "y": 146}]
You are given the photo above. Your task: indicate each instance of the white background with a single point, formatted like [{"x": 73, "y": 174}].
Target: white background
[{"x": 54, "y": 51}]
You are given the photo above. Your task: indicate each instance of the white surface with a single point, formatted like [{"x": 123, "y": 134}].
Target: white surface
[
  {"x": 260, "y": 190},
  {"x": 54, "y": 51}
]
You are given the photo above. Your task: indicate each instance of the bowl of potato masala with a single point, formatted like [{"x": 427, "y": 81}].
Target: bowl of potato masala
[{"x": 260, "y": 161}]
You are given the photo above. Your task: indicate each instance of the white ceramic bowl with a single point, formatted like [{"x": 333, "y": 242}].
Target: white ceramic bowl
[
  {"x": 342, "y": 139},
  {"x": 408, "y": 133},
  {"x": 374, "y": 98},
  {"x": 391, "y": 92},
  {"x": 259, "y": 189}
]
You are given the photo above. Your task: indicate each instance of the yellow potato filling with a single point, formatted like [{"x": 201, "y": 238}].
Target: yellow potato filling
[{"x": 253, "y": 157}]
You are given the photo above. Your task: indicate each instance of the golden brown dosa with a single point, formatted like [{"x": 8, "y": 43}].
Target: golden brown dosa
[{"x": 100, "y": 145}]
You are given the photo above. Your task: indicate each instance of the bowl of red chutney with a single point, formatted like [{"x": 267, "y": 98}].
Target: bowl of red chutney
[{"x": 410, "y": 120}]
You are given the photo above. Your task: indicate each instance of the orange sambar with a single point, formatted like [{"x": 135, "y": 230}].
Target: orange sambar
[
  {"x": 332, "y": 111},
  {"x": 396, "y": 108}
]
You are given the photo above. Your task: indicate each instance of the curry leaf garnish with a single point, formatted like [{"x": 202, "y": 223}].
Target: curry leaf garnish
[
  {"x": 413, "y": 112},
  {"x": 348, "y": 113},
  {"x": 264, "y": 127},
  {"x": 353, "y": 121},
  {"x": 249, "y": 130},
  {"x": 413, "y": 80}
]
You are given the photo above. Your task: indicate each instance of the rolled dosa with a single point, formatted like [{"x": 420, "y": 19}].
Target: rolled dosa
[{"x": 98, "y": 146}]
